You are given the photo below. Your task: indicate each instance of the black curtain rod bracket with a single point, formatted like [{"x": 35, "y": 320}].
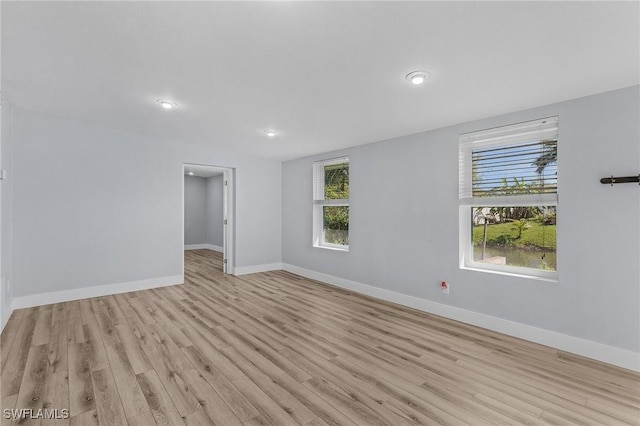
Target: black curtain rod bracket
[{"x": 620, "y": 179}]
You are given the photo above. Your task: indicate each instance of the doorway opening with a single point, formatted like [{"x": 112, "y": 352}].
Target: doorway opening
[{"x": 208, "y": 214}]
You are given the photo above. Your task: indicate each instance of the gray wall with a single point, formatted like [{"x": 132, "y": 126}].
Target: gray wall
[
  {"x": 6, "y": 212},
  {"x": 215, "y": 210},
  {"x": 404, "y": 223},
  {"x": 195, "y": 214},
  {"x": 203, "y": 210},
  {"x": 96, "y": 206}
]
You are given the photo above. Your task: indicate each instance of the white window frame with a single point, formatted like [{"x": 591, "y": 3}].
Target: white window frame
[
  {"x": 536, "y": 130},
  {"x": 319, "y": 203}
]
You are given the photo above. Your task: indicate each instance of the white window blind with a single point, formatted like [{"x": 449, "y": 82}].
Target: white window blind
[{"x": 511, "y": 165}]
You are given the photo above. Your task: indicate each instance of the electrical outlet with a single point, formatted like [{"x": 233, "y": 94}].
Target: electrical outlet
[{"x": 445, "y": 287}]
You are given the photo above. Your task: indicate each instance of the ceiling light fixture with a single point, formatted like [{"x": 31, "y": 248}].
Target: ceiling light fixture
[
  {"x": 418, "y": 77},
  {"x": 166, "y": 104},
  {"x": 190, "y": 173},
  {"x": 270, "y": 133}
]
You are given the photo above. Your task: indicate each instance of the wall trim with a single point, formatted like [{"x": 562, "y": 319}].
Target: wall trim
[
  {"x": 244, "y": 270},
  {"x": 610, "y": 354},
  {"x": 203, "y": 246},
  {"x": 88, "y": 292}
]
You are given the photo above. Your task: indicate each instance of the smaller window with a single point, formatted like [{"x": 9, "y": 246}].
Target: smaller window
[{"x": 331, "y": 203}]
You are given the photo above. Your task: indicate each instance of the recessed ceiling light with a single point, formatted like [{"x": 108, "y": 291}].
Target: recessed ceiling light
[
  {"x": 190, "y": 173},
  {"x": 270, "y": 133},
  {"x": 418, "y": 77},
  {"x": 166, "y": 104}
]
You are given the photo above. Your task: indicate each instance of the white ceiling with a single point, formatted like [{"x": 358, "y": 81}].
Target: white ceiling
[{"x": 324, "y": 75}]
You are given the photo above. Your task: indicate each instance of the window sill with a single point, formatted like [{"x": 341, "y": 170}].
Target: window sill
[
  {"x": 334, "y": 248},
  {"x": 551, "y": 277}
]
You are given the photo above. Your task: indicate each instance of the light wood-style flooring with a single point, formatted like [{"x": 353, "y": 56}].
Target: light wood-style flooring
[{"x": 277, "y": 349}]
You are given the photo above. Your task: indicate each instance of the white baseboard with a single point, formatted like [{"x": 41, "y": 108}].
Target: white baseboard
[
  {"x": 243, "y": 270},
  {"x": 203, "y": 246},
  {"x": 612, "y": 355},
  {"x": 87, "y": 292}
]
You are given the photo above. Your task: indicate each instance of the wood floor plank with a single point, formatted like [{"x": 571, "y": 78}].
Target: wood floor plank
[
  {"x": 34, "y": 383},
  {"x": 94, "y": 346},
  {"x": 111, "y": 309},
  {"x": 171, "y": 351},
  {"x": 167, "y": 320},
  {"x": 569, "y": 410},
  {"x": 198, "y": 418},
  {"x": 90, "y": 418},
  {"x": 75, "y": 332},
  {"x": 133, "y": 349},
  {"x": 385, "y": 386},
  {"x": 162, "y": 407},
  {"x": 415, "y": 401},
  {"x": 316, "y": 422},
  {"x": 445, "y": 373},
  {"x": 270, "y": 411},
  {"x": 8, "y": 403},
  {"x": 108, "y": 400},
  {"x": 216, "y": 308},
  {"x": 145, "y": 419},
  {"x": 13, "y": 366},
  {"x": 290, "y": 378},
  {"x": 133, "y": 320},
  {"x": 240, "y": 406},
  {"x": 123, "y": 303},
  {"x": 58, "y": 338},
  {"x": 86, "y": 311},
  {"x": 436, "y": 386},
  {"x": 520, "y": 417},
  {"x": 192, "y": 320},
  {"x": 81, "y": 395},
  {"x": 9, "y": 334},
  {"x": 628, "y": 415},
  {"x": 268, "y": 381},
  {"x": 56, "y": 398},
  {"x": 209, "y": 399},
  {"x": 275, "y": 348},
  {"x": 203, "y": 343},
  {"x": 142, "y": 310},
  {"x": 133, "y": 400},
  {"x": 323, "y": 410},
  {"x": 345, "y": 401},
  {"x": 170, "y": 372},
  {"x": 575, "y": 377},
  {"x": 43, "y": 326},
  {"x": 249, "y": 344}
]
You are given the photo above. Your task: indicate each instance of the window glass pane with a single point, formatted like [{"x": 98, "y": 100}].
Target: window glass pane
[
  {"x": 515, "y": 169},
  {"x": 335, "y": 225},
  {"x": 336, "y": 181},
  {"x": 515, "y": 236}
]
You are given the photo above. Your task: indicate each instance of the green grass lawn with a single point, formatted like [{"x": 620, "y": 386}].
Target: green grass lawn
[{"x": 538, "y": 236}]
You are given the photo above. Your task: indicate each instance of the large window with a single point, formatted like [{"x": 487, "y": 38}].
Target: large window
[
  {"x": 508, "y": 198},
  {"x": 331, "y": 203}
]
